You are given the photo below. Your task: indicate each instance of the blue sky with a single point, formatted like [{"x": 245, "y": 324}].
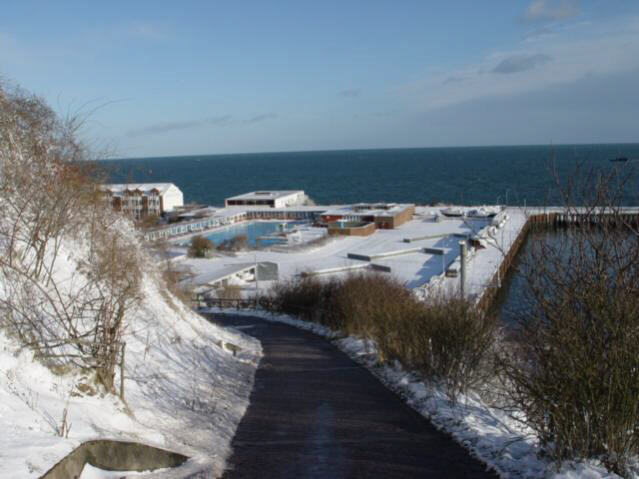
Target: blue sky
[{"x": 195, "y": 77}]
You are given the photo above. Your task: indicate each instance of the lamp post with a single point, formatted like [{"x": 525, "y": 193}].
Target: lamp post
[
  {"x": 257, "y": 288},
  {"x": 462, "y": 279}
]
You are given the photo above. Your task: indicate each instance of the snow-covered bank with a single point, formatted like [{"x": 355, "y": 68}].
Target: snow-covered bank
[
  {"x": 79, "y": 293},
  {"x": 488, "y": 433},
  {"x": 184, "y": 389}
]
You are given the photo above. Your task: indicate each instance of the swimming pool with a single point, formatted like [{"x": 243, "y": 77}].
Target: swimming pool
[{"x": 252, "y": 230}]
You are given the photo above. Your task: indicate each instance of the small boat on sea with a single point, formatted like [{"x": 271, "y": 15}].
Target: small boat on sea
[
  {"x": 452, "y": 212},
  {"x": 619, "y": 159}
]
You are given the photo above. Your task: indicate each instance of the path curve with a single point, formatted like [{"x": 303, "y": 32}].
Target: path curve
[{"x": 315, "y": 413}]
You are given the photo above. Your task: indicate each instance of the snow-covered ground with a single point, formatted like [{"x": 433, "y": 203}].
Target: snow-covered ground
[
  {"x": 185, "y": 391},
  {"x": 488, "y": 433},
  {"x": 483, "y": 266},
  {"x": 414, "y": 269}
]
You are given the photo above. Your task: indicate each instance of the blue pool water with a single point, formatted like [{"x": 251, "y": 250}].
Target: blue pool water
[{"x": 252, "y": 230}]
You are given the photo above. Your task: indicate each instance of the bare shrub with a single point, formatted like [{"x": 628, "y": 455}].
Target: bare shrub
[
  {"x": 149, "y": 221},
  {"x": 229, "y": 291},
  {"x": 172, "y": 276},
  {"x": 200, "y": 247},
  {"x": 573, "y": 369},
  {"x": 115, "y": 276},
  {"x": 49, "y": 198},
  {"x": 444, "y": 338},
  {"x": 303, "y": 297},
  {"x": 371, "y": 305},
  {"x": 237, "y": 243},
  {"x": 452, "y": 343}
]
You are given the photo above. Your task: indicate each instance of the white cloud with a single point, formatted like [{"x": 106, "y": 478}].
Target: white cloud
[
  {"x": 551, "y": 10},
  {"x": 178, "y": 125},
  {"x": 521, "y": 63},
  {"x": 609, "y": 49}
]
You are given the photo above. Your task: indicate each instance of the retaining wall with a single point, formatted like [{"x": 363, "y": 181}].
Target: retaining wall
[{"x": 113, "y": 456}]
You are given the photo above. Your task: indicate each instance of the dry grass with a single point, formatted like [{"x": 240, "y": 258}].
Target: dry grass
[{"x": 445, "y": 339}]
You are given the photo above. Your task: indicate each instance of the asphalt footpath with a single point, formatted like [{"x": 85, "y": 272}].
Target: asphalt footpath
[{"x": 315, "y": 413}]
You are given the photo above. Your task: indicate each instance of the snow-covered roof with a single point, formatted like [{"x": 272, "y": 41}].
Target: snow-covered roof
[
  {"x": 363, "y": 209},
  {"x": 222, "y": 273},
  {"x": 265, "y": 195},
  {"x": 144, "y": 187}
]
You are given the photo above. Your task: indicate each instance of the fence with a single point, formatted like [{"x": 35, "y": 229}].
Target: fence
[{"x": 223, "y": 303}]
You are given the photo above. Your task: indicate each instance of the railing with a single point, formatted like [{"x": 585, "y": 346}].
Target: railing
[{"x": 223, "y": 303}]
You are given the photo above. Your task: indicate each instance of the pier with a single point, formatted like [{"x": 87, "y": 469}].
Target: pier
[{"x": 552, "y": 218}]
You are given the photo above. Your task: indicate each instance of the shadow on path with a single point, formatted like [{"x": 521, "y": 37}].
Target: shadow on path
[{"x": 314, "y": 413}]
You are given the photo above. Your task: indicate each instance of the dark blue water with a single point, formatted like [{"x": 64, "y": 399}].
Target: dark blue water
[
  {"x": 514, "y": 296},
  {"x": 478, "y": 175},
  {"x": 515, "y": 300}
]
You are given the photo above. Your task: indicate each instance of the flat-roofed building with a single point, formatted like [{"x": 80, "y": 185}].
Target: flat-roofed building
[
  {"x": 144, "y": 199},
  {"x": 382, "y": 215},
  {"x": 273, "y": 199}
]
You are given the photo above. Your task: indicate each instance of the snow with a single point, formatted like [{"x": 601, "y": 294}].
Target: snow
[
  {"x": 414, "y": 270},
  {"x": 90, "y": 472},
  {"x": 488, "y": 433},
  {"x": 185, "y": 390},
  {"x": 483, "y": 266}
]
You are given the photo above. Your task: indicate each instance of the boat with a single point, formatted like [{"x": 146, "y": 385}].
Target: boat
[
  {"x": 619, "y": 159},
  {"x": 482, "y": 213},
  {"x": 453, "y": 212}
]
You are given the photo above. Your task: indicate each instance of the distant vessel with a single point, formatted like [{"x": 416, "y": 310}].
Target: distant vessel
[{"x": 619, "y": 159}]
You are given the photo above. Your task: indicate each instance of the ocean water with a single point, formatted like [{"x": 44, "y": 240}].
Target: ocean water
[{"x": 474, "y": 175}]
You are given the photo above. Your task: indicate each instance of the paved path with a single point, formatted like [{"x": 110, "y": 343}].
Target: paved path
[{"x": 315, "y": 413}]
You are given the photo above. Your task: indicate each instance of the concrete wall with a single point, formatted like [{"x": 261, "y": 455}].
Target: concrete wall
[
  {"x": 294, "y": 199},
  {"x": 267, "y": 271},
  {"x": 365, "y": 230},
  {"x": 392, "y": 222},
  {"x": 113, "y": 456},
  {"x": 404, "y": 216}
]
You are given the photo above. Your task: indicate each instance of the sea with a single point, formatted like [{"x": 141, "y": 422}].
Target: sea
[{"x": 513, "y": 175}]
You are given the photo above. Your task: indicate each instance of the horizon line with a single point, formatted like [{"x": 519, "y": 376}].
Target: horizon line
[{"x": 333, "y": 150}]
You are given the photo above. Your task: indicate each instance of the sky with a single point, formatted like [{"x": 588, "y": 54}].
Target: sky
[{"x": 164, "y": 78}]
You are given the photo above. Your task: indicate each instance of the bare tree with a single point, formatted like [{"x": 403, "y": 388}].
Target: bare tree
[
  {"x": 573, "y": 369},
  {"x": 50, "y": 199}
]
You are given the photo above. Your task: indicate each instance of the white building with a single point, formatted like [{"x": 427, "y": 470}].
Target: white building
[
  {"x": 144, "y": 199},
  {"x": 274, "y": 199}
]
